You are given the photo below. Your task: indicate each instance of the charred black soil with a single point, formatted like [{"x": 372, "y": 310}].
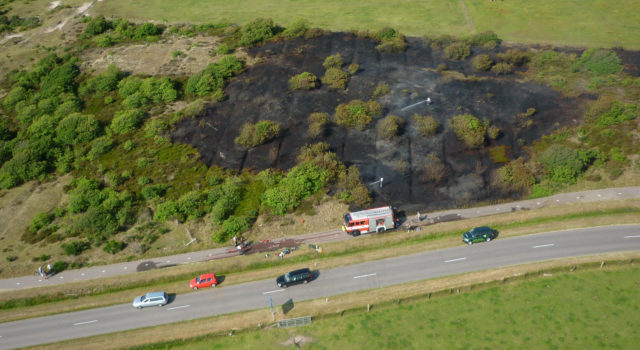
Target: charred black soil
[{"x": 263, "y": 93}]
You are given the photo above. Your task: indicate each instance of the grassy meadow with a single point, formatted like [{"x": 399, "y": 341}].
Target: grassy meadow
[{"x": 572, "y": 23}]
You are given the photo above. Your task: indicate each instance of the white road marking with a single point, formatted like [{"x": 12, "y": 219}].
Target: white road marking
[
  {"x": 81, "y": 323},
  {"x": 82, "y": 274},
  {"x": 452, "y": 260},
  {"x": 178, "y": 307},
  {"x": 631, "y": 236},
  {"x": 126, "y": 267},
  {"x": 543, "y": 245},
  {"x": 103, "y": 271},
  {"x": 363, "y": 276},
  {"x": 273, "y": 291}
]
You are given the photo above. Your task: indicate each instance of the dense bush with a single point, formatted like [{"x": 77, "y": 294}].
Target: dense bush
[
  {"x": 154, "y": 191},
  {"x": 147, "y": 30},
  {"x": 106, "y": 81},
  {"x": 31, "y": 159},
  {"x": 113, "y": 246},
  {"x": 352, "y": 189},
  {"x": 165, "y": 211},
  {"x": 487, "y": 40},
  {"x": 232, "y": 227},
  {"x": 296, "y": 29},
  {"x": 190, "y": 205},
  {"x": 226, "y": 200},
  {"x": 100, "y": 146},
  {"x": 257, "y": 31},
  {"x": 61, "y": 79},
  {"x": 357, "y": 114},
  {"x": 619, "y": 113},
  {"x": 389, "y": 127},
  {"x": 333, "y": 61},
  {"x": 433, "y": 170},
  {"x": 426, "y": 125},
  {"x": 515, "y": 175},
  {"x": 77, "y": 128},
  {"x": 515, "y": 57},
  {"x": 252, "y": 135},
  {"x": 75, "y": 247},
  {"x": 469, "y": 129},
  {"x": 457, "y": 51},
  {"x": 126, "y": 121},
  {"x": 599, "y": 61},
  {"x": 213, "y": 78},
  {"x": 391, "y": 41},
  {"x": 137, "y": 92},
  {"x": 381, "y": 90},
  {"x": 97, "y": 25},
  {"x": 335, "y": 78},
  {"x": 303, "y": 81},
  {"x": 14, "y": 96},
  {"x": 562, "y": 163},
  {"x": 482, "y": 62},
  {"x": 59, "y": 266},
  {"x": 317, "y": 124},
  {"x": 39, "y": 221},
  {"x": 301, "y": 182},
  {"x": 493, "y": 132},
  {"x": 502, "y": 68}
]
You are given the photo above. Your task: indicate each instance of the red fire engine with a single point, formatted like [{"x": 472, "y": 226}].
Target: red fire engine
[{"x": 370, "y": 220}]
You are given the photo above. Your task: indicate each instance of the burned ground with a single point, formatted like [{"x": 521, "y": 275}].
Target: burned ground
[{"x": 262, "y": 93}]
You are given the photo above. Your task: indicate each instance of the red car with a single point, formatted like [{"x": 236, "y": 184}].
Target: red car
[{"x": 206, "y": 280}]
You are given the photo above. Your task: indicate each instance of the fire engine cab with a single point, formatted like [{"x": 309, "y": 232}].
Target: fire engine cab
[{"x": 370, "y": 220}]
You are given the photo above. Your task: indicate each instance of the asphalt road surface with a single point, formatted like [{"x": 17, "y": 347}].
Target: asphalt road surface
[{"x": 369, "y": 275}]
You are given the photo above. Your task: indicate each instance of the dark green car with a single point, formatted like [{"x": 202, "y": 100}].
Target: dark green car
[{"x": 479, "y": 234}]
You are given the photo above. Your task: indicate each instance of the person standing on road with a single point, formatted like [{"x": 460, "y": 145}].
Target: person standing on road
[{"x": 235, "y": 241}]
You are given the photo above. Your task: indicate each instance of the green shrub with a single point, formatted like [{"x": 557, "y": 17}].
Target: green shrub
[
  {"x": 457, "y": 51},
  {"x": 226, "y": 200},
  {"x": 61, "y": 79},
  {"x": 39, "y": 221},
  {"x": 562, "y": 163},
  {"x": 426, "y": 125},
  {"x": 301, "y": 182},
  {"x": 257, "y": 31},
  {"x": 253, "y": 135},
  {"x": 333, "y": 61},
  {"x": 75, "y": 247},
  {"x": 502, "y": 68},
  {"x": 69, "y": 106},
  {"x": 353, "y": 68},
  {"x": 396, "y": 45},
  {"x": 147, "y": 30},
  {"x": 482, "y": 62},
  {"x": 154, "y": 191},
  {"x": 469, "y": 129},
  {"x": 223, "y": 49},
  {"x": 515, "y": 175},
  {"x": 389, "y": 127},
  {"x": 126, "y": 121},
  {"x": 487, "y": 40},
  {"x": 515, "y": 57},
  {"x": 317, "y": 124},
  {"x": 599, "y": 61},
  {"x": 303, "y": 81},
  {"x": 335, "y": 78},
  {"x": 213, "y": 78},
  {"x": 296, "y": 29},
  {"x": 190, "y": 205},
  {"x": 60, "y": 266},
  {"x": 381, "y": 90},
  {"x": 493, "y": 132},
  {"x": 104, "y": 40},
  {"x": 12, "y": 258},
  {"x": 14, "y": 96},
  {"x": 165, "y": 211},
  {"x": 97, "y": 25},
  {"x": 619, "y": 113},
  {"x": 231, "y": 227},
  {"x": 129, "y": 145},
  {"x": 357, "y": 114},
  {"x": 77, "y": 128},
  {"x": 113, "y": 246},
  {"x": 100, "y": 146}
]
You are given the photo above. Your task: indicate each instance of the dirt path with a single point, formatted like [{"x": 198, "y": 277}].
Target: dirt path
[
  {"x": 316, "y": 238},
  {"x": 468, "y": 17}
]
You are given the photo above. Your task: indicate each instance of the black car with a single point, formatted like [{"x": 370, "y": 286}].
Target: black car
[
  {"x": 479, "y": 234},
  {"x": 294, "y": 277}
]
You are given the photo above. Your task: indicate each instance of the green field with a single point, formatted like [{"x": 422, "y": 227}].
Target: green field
[
  {"x": 580, "y": 310},
  {"x": 571, "y": 22}
]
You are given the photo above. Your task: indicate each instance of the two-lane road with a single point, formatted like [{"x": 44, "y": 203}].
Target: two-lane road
[{"x": 375, "y": 274}]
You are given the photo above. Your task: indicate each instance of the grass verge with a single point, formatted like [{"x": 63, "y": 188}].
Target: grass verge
[
  {"x": 587, "y": 302},
  {"x": 108, "y": 291}
]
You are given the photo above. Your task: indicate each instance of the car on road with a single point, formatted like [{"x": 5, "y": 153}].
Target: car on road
[
  {"x": 203, "y": 281},
  {"x": 294, "y": 277},
  {"x": 150, "y": 299},
  {"x": 479, "y": 234}
]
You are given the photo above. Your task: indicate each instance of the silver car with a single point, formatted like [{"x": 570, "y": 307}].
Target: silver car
[{"x": 150, "y": 299}]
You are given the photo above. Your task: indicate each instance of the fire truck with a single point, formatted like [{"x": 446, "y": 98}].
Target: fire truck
[{"x": 370, "y": 220}]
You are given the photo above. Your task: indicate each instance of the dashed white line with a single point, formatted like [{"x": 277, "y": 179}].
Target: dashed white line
[
  {"x": 543, "y": 245},
  {"x": 81, "y": 323},
  {"x": 631, "y": 236},
  {"x": 453, "y": 260},
  {"x": 178, "y": 307},
  {"x": 363, "y": 276},
  {"x": 274, "y": 291}
]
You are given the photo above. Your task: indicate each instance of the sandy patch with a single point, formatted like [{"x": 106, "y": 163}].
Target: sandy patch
[
  {"x": 59, "y": 26},
  {"x": 84, "y": 8},
  {"x": 297, "y": 340},
  {"x": 53, "y": 5}
]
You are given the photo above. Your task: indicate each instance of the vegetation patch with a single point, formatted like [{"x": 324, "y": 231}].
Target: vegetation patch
[
  {"x": 356, "y": 114},
  {"x": 469, "y": 129},
  {"x": 252, "y": 135},
  {"x": 303, "y": 81}
]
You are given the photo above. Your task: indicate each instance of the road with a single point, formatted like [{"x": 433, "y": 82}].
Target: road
[
  {"x": 369, "y": 275},
  {"x": 118, "y": 269}
]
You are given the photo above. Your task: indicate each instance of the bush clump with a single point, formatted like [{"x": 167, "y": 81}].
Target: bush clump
[
  {"x": 599, "y": 61},
  {"x": 469, "y": 129},
  {"x": 515, "y": 57},
  {"x": 357, "y": 114},
  {"x": 562, "y": 163},
  {"x": 426, "y": 125},
  {"x": 515, "y": 176},
  {"x": 487, "y": 40},
  {"x": 303, "y": 81},
  {"x": 257, "y": 31},
  {"x": 113, "y": 246},
  {"x": 252, "y": 135},
  {"x": 75, "y": 247},
  {"x": 391, "y": 41},
  {"x": 381, "y": 90},
  {"x": 296, "y": 29},
  {"x": 336, "y": 78},
  {"x": 433, "y": 170},
  {"x": 317, "y": 124},
  {"x": 502, "y": 68},
  {"x": 618, "y": 113},
  {"x": 457, "y": 51},
  {"x": 77, "y": 128},
  {"x": 232, "y": 226},
  {"x": 127, "y": 121},
  {"x": 333, "y": 61},
  {"x": 39, "y": 221},
  {"x": 301, "y": 182},
  {"x": 482, "y": 62},
  {"x": 389, "y": 127},
  {"x": 214, "y": 77}
]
